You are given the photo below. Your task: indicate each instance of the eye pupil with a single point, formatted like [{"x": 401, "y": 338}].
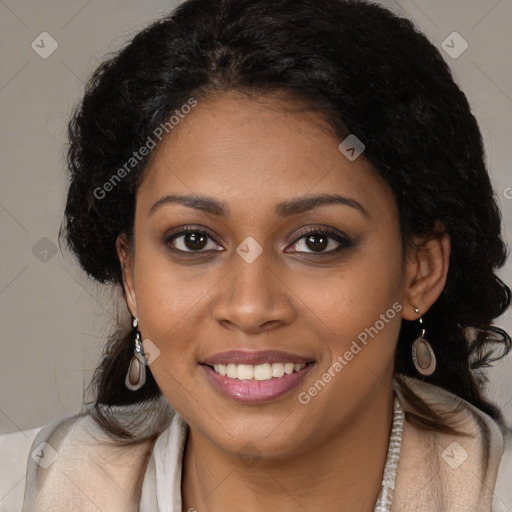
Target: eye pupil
[
  {"x": 317, "y": 245},
  {"x": 195, "y": 240}
]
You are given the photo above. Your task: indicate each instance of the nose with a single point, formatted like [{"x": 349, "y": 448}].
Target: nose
[{"x": 253, "y": 297}]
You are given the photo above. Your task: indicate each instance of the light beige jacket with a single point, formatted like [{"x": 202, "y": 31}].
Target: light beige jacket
[{"x": 70, "y": 465}]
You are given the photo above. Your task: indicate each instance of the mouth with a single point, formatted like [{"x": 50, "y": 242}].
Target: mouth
[
  {"x": 256, "y": 377},
  {"x": 265, "y": 371}
]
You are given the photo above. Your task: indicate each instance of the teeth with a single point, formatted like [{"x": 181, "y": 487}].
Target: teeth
[
  {"x": 245, "y": 371},
  {"x": 288, "y": 368},
  {"x": 231, "y": 371},
  {"x": 264, "y": 371},
  {"x": 220, "y": 368},
  {"x": 277, "y": 369}
]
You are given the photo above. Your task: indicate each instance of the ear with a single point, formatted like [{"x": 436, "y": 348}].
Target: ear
[
  {"x": 427, "y": 263},
  {"x": 125, "y": 255}
]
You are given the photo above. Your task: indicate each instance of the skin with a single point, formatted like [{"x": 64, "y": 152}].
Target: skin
[{"x": 251, "y": 154}]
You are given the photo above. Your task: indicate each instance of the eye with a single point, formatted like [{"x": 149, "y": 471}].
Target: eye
[
  {"x": 190, "y": 239},
  {"x": 194, "y": 240},
  {"x": 317, "y": 240}
]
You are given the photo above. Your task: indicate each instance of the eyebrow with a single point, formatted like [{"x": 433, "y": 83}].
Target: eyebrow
[{"x": 284, "y": 209}]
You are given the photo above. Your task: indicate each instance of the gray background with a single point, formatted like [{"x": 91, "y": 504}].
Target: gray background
[{"x": 53, "y": 321}]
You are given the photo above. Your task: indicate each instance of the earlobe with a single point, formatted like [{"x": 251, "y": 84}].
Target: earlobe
[
  {"x": 125, "y": 256},
  {"x": 426, "y": 272}
]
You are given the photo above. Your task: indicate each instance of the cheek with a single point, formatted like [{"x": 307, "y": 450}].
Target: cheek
[
  {"x": 351, "y": 297},
  {"x": 168, "y": 302},
  {"x": 169, "y": 316},
  {"x": 359, "y": 307}
]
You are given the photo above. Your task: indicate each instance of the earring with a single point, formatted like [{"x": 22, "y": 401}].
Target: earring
[
  {"x": 136, "y": 374},
  {"x": 422, "y": 354}
]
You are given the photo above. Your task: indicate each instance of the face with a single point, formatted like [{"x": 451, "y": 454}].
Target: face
[{"x": 260, "y": 284}]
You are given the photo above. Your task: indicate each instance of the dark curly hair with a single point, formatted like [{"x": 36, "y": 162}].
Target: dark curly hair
[{"x": 368, "y": 72}]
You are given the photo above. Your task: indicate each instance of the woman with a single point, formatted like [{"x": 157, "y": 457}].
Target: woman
[{"x": 293, "y": 197}]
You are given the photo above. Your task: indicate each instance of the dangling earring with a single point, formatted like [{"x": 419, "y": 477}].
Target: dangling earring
[
  {"x": 422, "y": 354},
  {"x": 136, "y": 374}
]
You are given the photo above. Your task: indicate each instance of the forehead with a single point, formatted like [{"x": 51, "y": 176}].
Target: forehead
[{"x": 254, "y": 150}]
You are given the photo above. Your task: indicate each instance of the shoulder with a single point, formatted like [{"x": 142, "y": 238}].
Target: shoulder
[
  {"x": 79, "y": 466},
  {"x": 15, "y": 449},
  {"x": 20, "y": 452},
  {"x": 479, "y": 462}
]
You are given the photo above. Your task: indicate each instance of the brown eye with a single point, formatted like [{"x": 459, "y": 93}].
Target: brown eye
[
  {"x": 195, "y": 241},
  {"x": 317, "y": 241},
  {"x": 190, "y": 240}
]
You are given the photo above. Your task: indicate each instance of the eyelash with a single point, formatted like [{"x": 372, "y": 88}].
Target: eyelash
[{"x": 343, "y": 241}]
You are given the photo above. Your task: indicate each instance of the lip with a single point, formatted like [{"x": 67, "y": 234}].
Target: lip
[
  {"x": 255, "y": 357},
  {"x": 256, "y": 391}
]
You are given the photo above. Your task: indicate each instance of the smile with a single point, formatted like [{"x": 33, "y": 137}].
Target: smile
[
  {"x": 260, "y": 372},
  {"x": 255, "y": 377}
]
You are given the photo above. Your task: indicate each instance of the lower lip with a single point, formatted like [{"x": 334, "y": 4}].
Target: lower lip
[{"x": 256, "y": 391}]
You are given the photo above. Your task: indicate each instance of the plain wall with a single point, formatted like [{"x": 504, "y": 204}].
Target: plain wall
[{"x": 53, "y": 322}]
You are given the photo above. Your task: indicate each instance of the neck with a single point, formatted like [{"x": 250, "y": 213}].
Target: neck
[{"x": 344, "y": 473}]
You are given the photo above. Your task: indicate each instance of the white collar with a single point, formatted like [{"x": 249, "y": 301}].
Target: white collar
[{"x": 161, "y": 489}]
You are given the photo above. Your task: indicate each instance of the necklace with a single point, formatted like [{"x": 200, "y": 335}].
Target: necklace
[{"x": 385, "y": 497}]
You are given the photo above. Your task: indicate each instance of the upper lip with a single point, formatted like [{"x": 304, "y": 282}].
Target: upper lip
[{"x": 255, "y": 357}]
